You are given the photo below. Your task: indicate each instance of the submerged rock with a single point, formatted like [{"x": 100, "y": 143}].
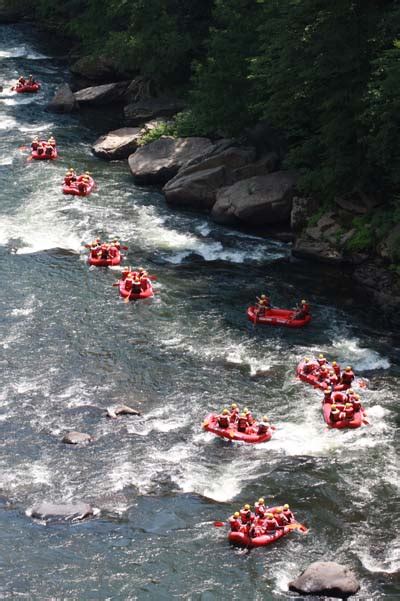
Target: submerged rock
[
  {"x": 160, "y": 161},
  {"x": 62, "y": 511},
  {"x": 121, "y": 410},
  {"x": 76, "y": 438},
  {"x": 117, "y": 144},
  {"x": 63, "y": 101},
  {"x": 326, "y": 578}
]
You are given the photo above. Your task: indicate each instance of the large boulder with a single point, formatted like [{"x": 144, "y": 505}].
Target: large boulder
[
  {"x": 61, "y": 511},
  {"x": 99, "y": 69},
  {"x": 302, "y": 209},
  {"x": 259, "y": 200},
  {"x": 326, "y": 578},
  {"x": 117, "y": 144},
  {"x": 113, "y": 412},
  {"x": 64, "y": 100},
  {"x": 198, "y": 181},
  {"x": 160, "y": 161},
  {"x": 102, "y": 95},
  {"x": 318, "y": 250},
  {"x": 197, "y": 190},
  {"x": 146, "y": 109}
]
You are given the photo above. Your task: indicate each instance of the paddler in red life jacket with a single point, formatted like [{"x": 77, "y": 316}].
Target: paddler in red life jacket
[
  {"x": 302, "y": 310},
  {"x": 263, "y": 304},
  {"x": 117, "y": 243},
  {"x": 35, "y": 143},
  {"x": 349, "y": 411},
  {"x": 287, "y": 513},
  {"x": 308, "y": 367},
  {"x": 30, "y": 80},
  {"x": 347, "y": 376},
  {"x": 48, "y": 150},
  {"x": 333, "y": 379},
  {"x": 21, "y": 81},
  {"x": 242, "y": 423},
  {"x": 112, "y": 250},
  {"x": 259, "y": 508},
  {"x": 235, "y": 522},
  {"x": 52, "y": 141},
  {"x": 334, "y": 414},
  {"x": 263, "y": 426},
  {"x": 246, "y": 515},
  {"x": 234, "y": 413},
  {"x": 83, "y": 184},
  {"x": 327, "y": 395},
  {"x": 356, "y": 401},
  {"x": 270, "y": 523},
  {"x": 280, "y": 517},
  {"x": 321, "y": 360},
  {"x": 336, "y": 368},
  {"x": 40, "y": 149},
  {"x": 249, "y": 416},
  {"x": 136, "y": 287},
  {"x": 323, "y": 375},
  {"x": 144, "y": 280},
  {"x": 223, "y": 419},
  {"x": 104, "y": 251}
]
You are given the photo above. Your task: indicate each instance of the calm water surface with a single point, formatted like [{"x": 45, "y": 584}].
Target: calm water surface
[{"x": 69, "y": 347}]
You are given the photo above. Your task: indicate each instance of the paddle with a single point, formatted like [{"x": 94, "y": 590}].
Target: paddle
[
  {"x": 220, "y": 524},
  {"x": 297, "y": 526},
  {"x": 255, "y": 315},
  {"x": 23, "y": 148},
  {"x": 366, "y": 422}
]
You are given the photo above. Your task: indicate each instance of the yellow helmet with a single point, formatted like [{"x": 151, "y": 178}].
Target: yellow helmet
[
  {"x": 286, "y": 506},
  {"x": 350, "y": 391},
  {"x": 236, "y": 514},
  {"x": 261, "y": 501},
  {"x": 348, "y": 368},
  {"x": 245, "y": 410},
  {"x": 278, "y": 510},
  {"x": 333, "y": 406},
  {"x": 265, "y": 418},
  {"x": 242, "y": 415},
  {"x": 303, "y": 301},
  {"x": 233, "y": 406},
  {"x": 334, "y": 363},
  {"x": 247, "y": 507},
  {"x": 321, "y": 356},
  {"x": 225, "y": 412},
  {"x": 306, "y": 359},
  {"x": 270, "y": 515},
  {"x": 348, "y": 405}
]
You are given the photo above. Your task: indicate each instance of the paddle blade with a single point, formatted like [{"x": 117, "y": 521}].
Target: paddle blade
[
  {"x": 219, "y": 524},
  {"x": 297, "y": 526},
  {"x": 115, "y": 284},
  {"x": 29, "y": 159},
  {"x": 152, "y": 277},
  {"x": 366, "y": 422},
  {"x": 126, "y": 299},
  {"x": 124, "y": 247}
]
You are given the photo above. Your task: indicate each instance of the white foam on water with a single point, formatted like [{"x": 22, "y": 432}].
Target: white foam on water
[
  {"x": 22, "y": 52},
  {"x": 8, "y": 123},
  {"x": 389, "y": 564},
  {"x": 362, "y": 359}
]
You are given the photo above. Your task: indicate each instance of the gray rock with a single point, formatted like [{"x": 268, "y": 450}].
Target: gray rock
[
  {"x": 302, "y": 209},
  {"x": 326, "y": 578},
  {"x": 257, "y": 201},
  {"x": 61, "y": 511},
  {"x": 197, "y": 190},
  {"x": 160, "y": 161},
  {"x": 318, "y": 250},
  {"x": 76, "y": 438},
  {"x": 113, "y": 412},
  {"x": 101, "y": 95},
  {"x": 99, "y": 69},
  {"x": 146, "y": 109},
  {"x": 266, "y": 164},
  {"x": 117, "y": 144},
  {"x": 63, "y": 101},
  {"x": 389, "y": 248},
  {"x": 231, "y": 159}
]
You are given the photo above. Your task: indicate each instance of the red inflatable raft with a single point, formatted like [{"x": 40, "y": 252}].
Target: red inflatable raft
[
  {"x": 210, "y": 424},
  {"x": 73, "y": 188},
  {"x": 27, "y": 88},
  {"x": 44, "y": 156},
  {"x": 277, "y": 317},
  {"x": 356, "y": 422},
  {"x": 106, "y": 262},
  {"x": 313, "y": 376},
  {"x": 146, "y": 293},
  {"x": 262, "y": 540}
]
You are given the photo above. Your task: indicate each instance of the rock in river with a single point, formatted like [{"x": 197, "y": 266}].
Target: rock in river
[
  {"x": 121, "y": 410},
  {"x": 51, "y": 512},
  {"x": 326, "y": 578},
  {"x": 76, "y": 438}
]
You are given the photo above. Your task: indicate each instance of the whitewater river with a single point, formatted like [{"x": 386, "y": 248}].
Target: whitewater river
[{"x": 69, "y": 348}]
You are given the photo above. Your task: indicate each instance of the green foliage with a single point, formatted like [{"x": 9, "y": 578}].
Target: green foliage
[
  {"x": 162, "y": 129},
  {"x": 363, "y": 239}
]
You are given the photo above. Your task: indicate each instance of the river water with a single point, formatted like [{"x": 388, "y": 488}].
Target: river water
[{"x": 69, "y": 348}]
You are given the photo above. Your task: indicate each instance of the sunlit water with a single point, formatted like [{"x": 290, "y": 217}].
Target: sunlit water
[{"x": 70, "y": 347}]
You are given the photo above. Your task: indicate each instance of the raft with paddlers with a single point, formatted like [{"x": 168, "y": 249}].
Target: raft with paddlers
[
  {"x": 135, "y": 284},
  {"x": 44, "y": 152},
  {"x": 108, "y": 262},
  {"x": 27, "y": 88},
  {"x": 263, "y": 526},
  {"x": 321, "y": 374},
  {"x": 250, "y": 434},
  {"x": 343, "y": 409},
  {"x": 81, "y": 186},
  {"x": 356, "y": 421},
  {"x": 277, "y": 317}
]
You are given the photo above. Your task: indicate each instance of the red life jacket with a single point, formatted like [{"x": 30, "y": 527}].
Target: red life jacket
[
  {"x": 250, "y": 419},
  {"x": 81, "y": 187},
  {"x": 246, "y": 516},
  {"x": 34, "y": 145},
  {"x": 356, "y": 405},
  {"x": 234, "y": 414},
  {"x": 280, "y": 519},
  {"x": 223, "y": 421},
  {"x": 128, "y": 284},
  {"x": 322, "y": 361},
  {"x": 336, "y": 369},
  {"x": 112, "y": 252},
  {"x": 40, "y": 150},
  {"x": 334, "y": 415},
  {"x": 67, "y": 180},
  {"x": 235, "y": 524},
  {"x": 339, "y": 398},
  {"x": 347, "y": 377},
  {"x": 305, "y": 307},
  {"x": 136, "y": 287},
  {"x": 288, "y": 515},
  {"x": 145, "y": 283},
  {"x": 260, "y": 509},
  {"x": 242, "y": 424},
  {"x": 270, "y": 525},
  {"x": 349, "y": 411},
  {"x": 49, "y": 151},
  {"x": 262, "y": 428}
]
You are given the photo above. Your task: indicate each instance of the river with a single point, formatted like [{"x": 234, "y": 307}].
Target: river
[{"x": 69, "y": 348}]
